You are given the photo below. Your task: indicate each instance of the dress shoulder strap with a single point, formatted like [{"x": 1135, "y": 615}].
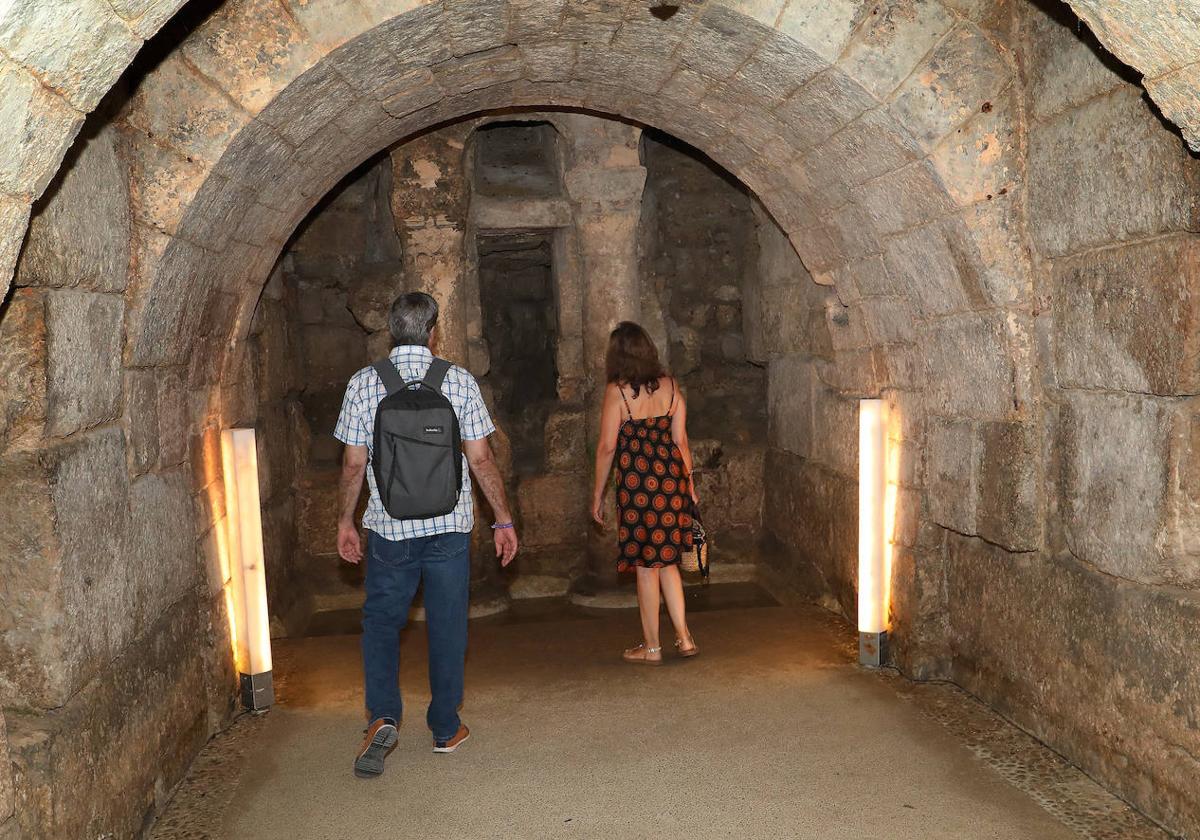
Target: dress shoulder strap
[
  {"x": 628, "y": 410},
  {"x": 671, "y": 407}
]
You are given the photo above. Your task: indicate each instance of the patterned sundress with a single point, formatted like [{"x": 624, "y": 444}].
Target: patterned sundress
[{"x": 654, "y": 505}]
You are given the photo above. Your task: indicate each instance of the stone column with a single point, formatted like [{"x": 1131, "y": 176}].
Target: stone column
[
  {"x": 430, "y": 197},
  {"x": 604, "y": 179}
]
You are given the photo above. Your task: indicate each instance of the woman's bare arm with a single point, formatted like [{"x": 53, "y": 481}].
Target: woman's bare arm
[
  {"x": 606, "y": 446},
  {"x": 679, "y": 435}
]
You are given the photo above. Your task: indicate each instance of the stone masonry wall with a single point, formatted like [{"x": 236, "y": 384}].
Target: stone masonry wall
[
  {"x": 1089, "y": 643},
  {"x": 698, "y": 249},
  {"x": 102, "y": 473}
]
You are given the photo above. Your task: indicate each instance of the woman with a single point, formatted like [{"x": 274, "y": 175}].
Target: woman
[{"x": 642, "y": 425}]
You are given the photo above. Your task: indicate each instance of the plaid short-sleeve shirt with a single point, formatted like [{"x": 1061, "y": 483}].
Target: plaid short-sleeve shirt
[{"x": 356, "y": 424}]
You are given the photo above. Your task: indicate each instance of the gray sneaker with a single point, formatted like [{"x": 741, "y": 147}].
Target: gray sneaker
[{"x": 379, "y": 742}]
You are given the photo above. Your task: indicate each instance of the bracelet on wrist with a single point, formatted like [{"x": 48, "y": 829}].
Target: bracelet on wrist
[{"x": 501, "y": 526}]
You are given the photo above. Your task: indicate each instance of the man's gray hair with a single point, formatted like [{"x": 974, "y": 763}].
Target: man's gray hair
[{"x": 413, "y": 318}]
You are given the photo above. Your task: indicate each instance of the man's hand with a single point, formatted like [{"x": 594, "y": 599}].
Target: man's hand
[
  {"x": 349, "y": 544},
  {"x": 506, "y": 544}
]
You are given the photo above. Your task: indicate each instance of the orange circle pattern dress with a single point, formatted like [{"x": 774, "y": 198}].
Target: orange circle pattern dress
[{"x": 654, "y": 505}]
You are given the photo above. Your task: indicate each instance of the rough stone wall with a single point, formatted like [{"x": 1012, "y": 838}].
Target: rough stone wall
[
  {"x": 888, "y": 146},
  {"x": 103, "y": 473},
  {"x": 698, "y": 250},
  {"x": 1088, "y": 643},
  {"x": 322, "y": 316}
]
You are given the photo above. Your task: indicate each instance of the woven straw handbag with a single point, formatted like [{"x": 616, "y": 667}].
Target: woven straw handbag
[{"x": 695, "y": 559}]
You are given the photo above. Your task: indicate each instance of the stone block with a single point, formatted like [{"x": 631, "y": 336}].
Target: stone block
[
  {"x": 1132, "y": 179},
  {"x": 145, "y": 17},
  {"x": 929, "y": 260},
  {"x": 824, "y": 27},
  {"x": 1175, "y": 95},
  {"x": 554, "y": 511},
  {"x": 253, "y": 48},
  {"x": 36, "y": 129},
  {"x": 1010, "y": 482},
  {"x": 141, "y": 420},
  {"x": 979, "y": 365},
  {"x": 888, "y": 319},
  {"x": 720, "y": 43},
  {"x": 62, "y": 547},
  {"x": 1066, "y": 66},
  {"x": 806, "y": 509},
  {"x": 175, "y": 105},
  {"x": 1066, "y": 651},
  {"x": 172, "y": 302},
  {"x": 910, "y": 196},
  {"x": 79, "y": 232},
  {"x": 822, "y": 107},
  {"x": 23, "y": 370},
  {"x": 7, "y": 794},
  {"x": 790, "y": 404},
  {"x": 173, "y": 419},
  {"x": 80, "y": 53},
  {"x": 332, "y": 355},
  {"x": 962, "y": 73},
  {"x": 951, "y": 479},
  {"x": 318, "y": 508},
  {"x": 745, "y": 481},
  {"x": 14, "y": 221},
  {"x": 100, "y": 757},
  {"x": 777, "y": 69},
  {"x": 1116, "y": 489},
  {"x": 83, "y": 359},
  {"x": 159, "y": 562},
  {"x": 566, "y": 441},
  {"x": 891, "y": 41},
  {"x": 1128, "y": 318},
  {"x": 997, "y": 252},
  {"x": 835, "y": 432},
  {"x": 981, "y": 160}
]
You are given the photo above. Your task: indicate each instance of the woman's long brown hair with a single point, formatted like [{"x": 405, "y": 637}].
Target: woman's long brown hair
[{"x": 633, "y": 359}]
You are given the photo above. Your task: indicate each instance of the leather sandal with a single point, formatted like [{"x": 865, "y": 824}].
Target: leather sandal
[
  {"x": 692, "y": 651},
  {"x": 640, "y": 655}
]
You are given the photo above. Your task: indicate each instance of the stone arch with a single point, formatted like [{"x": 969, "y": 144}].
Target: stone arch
[
  {"x": 880, "y": 138},
  {"x": 55, "y": 77},
  {"x": 881, "y": 145}
]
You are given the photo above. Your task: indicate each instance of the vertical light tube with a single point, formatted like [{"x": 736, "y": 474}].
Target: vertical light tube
[
  {"x": 872, "y": 535},
  {"x": 248, "y": 581}
]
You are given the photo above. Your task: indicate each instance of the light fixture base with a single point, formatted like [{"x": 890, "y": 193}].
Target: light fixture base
[
  {"x": 872, "y": 649},
  {"x": 258, "y": 691}
]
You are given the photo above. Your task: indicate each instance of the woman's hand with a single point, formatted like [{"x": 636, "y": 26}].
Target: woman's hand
[
  {"x": 692, "y": 490},
  {"x": 598, "y": 509}
]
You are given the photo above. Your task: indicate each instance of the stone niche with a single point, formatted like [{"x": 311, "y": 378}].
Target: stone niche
[{"x": 536, "y": 233}]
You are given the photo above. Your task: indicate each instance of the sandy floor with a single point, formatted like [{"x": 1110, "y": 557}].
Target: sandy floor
[{"x": 771, "y": 732}]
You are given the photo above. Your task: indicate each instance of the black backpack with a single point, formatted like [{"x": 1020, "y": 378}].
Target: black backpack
[{"x": 418, "y": 449}]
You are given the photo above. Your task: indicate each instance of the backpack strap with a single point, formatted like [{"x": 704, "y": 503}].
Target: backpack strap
[
  {"x": 392, "y": 380},
  {"x": 436, "y": 375}
]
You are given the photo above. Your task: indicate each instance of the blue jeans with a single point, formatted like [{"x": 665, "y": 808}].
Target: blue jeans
[{"x": 394, "y": 568}]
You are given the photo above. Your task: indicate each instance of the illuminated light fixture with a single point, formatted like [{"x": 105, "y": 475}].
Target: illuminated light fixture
[
  {"x": 873, "y": 571},
  {"x": 248, "y": 580}
]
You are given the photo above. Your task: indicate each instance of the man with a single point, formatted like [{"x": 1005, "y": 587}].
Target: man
[{"x": 403, "y": 553}]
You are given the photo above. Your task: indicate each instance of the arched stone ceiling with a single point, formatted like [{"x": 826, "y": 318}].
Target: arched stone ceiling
[
  {"x": 881, "y": 143},
  {"x": 56, "y": 63}
]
